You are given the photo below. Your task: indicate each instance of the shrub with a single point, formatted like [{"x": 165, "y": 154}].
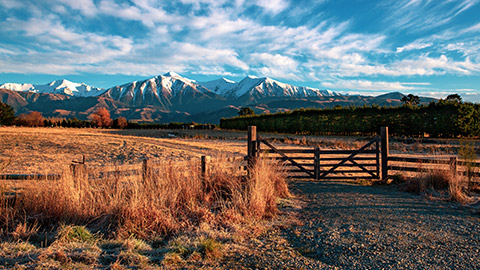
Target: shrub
[
  {"x": 101, "y": 118},
  {"x": 33, "y": 119}
]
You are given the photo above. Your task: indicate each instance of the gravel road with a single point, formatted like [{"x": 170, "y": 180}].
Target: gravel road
[{"x": 347, "y": 226}]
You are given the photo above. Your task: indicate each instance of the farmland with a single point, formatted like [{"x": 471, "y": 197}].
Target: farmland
[
  {"x": 40, "y": 150},
  {"x": 176, "y": 218}
]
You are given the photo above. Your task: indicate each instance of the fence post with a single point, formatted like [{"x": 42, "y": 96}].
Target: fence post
[
  {"x": 377, "y": 156},
  {"x": 146, "y": 170},
  {"x": 79, "y": 173},
  {"x": 205, "y": 171},
  {"x": 316, "y": 163},
  {"x": 252, "y": 145},
  {"x": 251, "y": 149},
  {"x": 453, "y": 165},
  {"x": 385, "y": 152}
]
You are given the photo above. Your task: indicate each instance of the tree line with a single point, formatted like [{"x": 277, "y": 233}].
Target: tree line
[
  {"x": 100, "y": 119},
  {"x": 445, "y": 118}
]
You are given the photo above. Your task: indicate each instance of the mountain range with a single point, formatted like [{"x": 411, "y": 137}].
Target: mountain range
[
  {"x": 63, "y": 87},
  {"x": 173, "y": 98}
]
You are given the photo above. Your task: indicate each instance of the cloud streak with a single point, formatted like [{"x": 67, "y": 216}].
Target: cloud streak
[{"x": 420, "y": 39}]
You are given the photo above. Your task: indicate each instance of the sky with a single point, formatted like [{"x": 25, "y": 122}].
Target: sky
[{"x": 369, "y": 47}]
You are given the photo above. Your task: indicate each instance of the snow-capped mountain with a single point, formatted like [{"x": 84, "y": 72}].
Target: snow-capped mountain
[
  {"x": 168, "y": 91},
  {"x": 220, "y": 86},
  {"x": 266, "y": 87},
  {"x": 253, "y": 87},
  {"x": 63, "y": 87}
]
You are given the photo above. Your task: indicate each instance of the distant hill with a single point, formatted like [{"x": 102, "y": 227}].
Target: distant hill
[{"x": 173, "y": 98}]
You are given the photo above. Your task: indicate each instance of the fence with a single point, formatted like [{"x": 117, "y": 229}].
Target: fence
[
  {"x": 145, "y": 169},
  {"x": 321, "y": 164},
  {"x": 414, "y": 164},
  {"x": 371, "y": 161}
]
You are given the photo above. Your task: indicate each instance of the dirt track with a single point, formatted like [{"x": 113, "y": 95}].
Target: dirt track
[{"x": 348, "y": 226}]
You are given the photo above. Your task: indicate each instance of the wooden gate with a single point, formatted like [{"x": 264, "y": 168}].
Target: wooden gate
[{"x": 320, "y": 164}]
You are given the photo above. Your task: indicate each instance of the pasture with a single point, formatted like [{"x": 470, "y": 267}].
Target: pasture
[{"x": 176, "y": 216}]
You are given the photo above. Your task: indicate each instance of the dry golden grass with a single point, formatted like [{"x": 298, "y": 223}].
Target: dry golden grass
[
  {"x": 438, "y": 183},
  {"x": 48, "y": 150},
  {"x": 78, "y": 222},
  {"x": 175, "y": 197}
]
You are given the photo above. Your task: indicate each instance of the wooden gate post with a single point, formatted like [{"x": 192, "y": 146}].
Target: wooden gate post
[
  {"x": 377, "y": 156},
  {"x": 316, "y": 163},
  {"x": 78, "y": 170},
  {"x": 252, "y": 145},
  {"x": 385, "y": 152}
]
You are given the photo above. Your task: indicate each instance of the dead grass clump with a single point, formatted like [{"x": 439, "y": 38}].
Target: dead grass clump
[
  {"x": 266, "y": 184},
  {"x": 173, "y": 197},
  {"x": 440, "y": 184}
]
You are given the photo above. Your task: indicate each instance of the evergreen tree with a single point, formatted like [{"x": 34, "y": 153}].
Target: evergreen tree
[
  {"x": 7, "y": 114},
  {"x": 245, "y": 111}
]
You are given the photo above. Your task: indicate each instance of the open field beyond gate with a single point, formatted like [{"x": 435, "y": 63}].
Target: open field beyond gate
[{"x": 327, "y": 224}]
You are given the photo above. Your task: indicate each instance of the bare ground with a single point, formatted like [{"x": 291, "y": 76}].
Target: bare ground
[{"x": 347, "y": 226}]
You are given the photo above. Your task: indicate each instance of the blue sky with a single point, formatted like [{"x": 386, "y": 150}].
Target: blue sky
[{"x": 424, "y": 47}]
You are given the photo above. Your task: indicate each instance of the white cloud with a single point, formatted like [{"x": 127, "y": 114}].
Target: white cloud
[
  {"x": 10, "y": 4},
  {"x": 274, "y": 60},
  {"x": 59, "y": 50},
  {"x": 143, "y": 11},
  {"x": 273, "y": 6},
  {"x": 413, "y": 46},
  {"x": 369, "y": 85},
  {"x": 194, "y": 54},
  {"x": 87, "y": 7},
  {"x": 217, "y": 37},
  {"x": 421, "y": 15},
  {"x": 274, "y": 65}
]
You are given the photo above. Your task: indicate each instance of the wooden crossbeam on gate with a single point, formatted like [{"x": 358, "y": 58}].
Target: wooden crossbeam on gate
[
  {"x": 317, "y": 157},
  {"x": 350, "y": 158}
]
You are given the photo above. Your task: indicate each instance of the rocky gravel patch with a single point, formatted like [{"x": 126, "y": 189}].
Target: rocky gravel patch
[
  {"x": 341, "y": 225},
  {"x": 349, "y": 226}
]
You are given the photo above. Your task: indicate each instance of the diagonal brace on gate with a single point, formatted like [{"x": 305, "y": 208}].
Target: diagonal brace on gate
[
  {"x": 350, "y": 158},
  {"x": 285, "y": 157},
  {"x": 362, "y": 167}
]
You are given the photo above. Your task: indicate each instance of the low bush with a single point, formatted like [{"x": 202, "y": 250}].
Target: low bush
[{"x": 438, "y": 184}]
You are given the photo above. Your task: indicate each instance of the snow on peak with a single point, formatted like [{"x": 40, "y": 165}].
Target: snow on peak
[
  {"x": 219, "y": 86},
  {"x": 158, "y": 90},
  {"x": 64, "y": 87},
  {"x": 171, "y": 74},
  {"x": 267, "y": 87},
  {"x": 20, "y": 87}
]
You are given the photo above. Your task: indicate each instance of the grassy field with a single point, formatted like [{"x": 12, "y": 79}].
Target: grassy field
[
  {"x": 173, "y": 217},
  {"x": 41, "y": 150}
]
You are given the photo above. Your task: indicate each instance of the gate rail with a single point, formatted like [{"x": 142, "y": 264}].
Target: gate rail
[{"x": 321, "y": 164}]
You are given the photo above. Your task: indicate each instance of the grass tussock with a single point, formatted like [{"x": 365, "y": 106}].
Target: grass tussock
[
  {"x": 171, "y": 198},
  {"x": 440, "y": 184}
]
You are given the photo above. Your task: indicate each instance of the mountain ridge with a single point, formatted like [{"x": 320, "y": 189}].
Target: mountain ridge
[
  {"x": 62, "y": 86},
  {"x": 173, "y": 98}
]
